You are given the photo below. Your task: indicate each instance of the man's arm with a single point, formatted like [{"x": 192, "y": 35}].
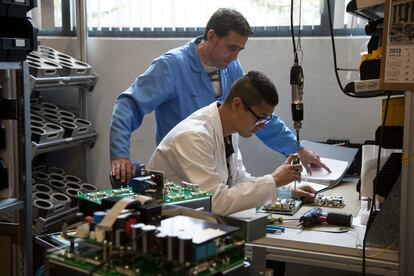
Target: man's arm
[
  {"x": 279, "y": 137},
  {"x": 146, "y": 93}
]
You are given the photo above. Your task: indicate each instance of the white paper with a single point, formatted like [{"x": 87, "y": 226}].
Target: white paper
[
  {"x": 319, "y": 175},
  {"x": 316, "y": 186}
]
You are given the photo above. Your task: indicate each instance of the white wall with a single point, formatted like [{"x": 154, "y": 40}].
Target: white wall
[{"x": 328, "y": 112}]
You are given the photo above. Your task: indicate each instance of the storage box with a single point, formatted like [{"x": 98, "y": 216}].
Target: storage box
[
  {"x": 18, "y": 37},
  {"x": 14, "y": 8}
]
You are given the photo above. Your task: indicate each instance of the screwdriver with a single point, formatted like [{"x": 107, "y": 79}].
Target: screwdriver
[{"x": 295, "y": 161}]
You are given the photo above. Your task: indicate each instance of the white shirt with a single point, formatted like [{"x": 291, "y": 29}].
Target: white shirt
[{"x": 194, "y": 151}]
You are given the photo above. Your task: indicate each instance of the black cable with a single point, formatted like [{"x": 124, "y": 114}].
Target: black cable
[
  {"x": 335, "y": 61},
  {"x": 374, "y": 186},
  {"x": 295, "y": 53}
]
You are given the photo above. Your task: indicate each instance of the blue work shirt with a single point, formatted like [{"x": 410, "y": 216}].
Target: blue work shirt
[{"x": 174, "y": 86}]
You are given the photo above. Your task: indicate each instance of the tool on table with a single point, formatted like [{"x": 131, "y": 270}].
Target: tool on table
[
  {"x": 272, "y": 220},
  {"x": 273, "y": 229},
  {"x": 317, "y": 215}
]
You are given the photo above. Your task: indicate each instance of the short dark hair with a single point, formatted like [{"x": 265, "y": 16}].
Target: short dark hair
[
  {"x": 225, "y": 20},
  {"x": 254, "y": 88}
]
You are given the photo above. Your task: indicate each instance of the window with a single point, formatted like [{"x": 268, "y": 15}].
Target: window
[{"x": 175, "y": 18}]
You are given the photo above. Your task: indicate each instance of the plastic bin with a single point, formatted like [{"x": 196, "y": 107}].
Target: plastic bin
[
  {"x": 18, "y": 37},
  {"x": 16, "y": 8}
]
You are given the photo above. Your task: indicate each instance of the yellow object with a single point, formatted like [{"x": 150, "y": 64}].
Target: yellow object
[
  {"x": 395, "y": 115},
  {"x": 376, "y": 54}
]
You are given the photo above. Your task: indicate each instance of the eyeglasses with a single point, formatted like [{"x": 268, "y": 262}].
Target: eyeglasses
[{"x": 259, "y": 120}]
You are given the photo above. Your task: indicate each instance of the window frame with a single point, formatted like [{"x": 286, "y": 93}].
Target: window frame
[{"x": 321, "y": 30}]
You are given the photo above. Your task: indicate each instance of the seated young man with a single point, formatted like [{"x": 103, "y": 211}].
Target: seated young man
[{"x": 203, "y": 149}]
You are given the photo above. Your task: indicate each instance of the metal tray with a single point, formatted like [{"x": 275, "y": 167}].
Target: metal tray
[
  {"x": 70, "y": 65},
  {"x": 41, "y": 67}
]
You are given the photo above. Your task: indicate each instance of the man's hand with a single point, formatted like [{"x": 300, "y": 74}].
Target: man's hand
[
  {"x": 287, "y": 173},
  {"x": 311, "y": 160},
  {"x": 122, "y": 170},
  {"x": 305, "y": 192}
]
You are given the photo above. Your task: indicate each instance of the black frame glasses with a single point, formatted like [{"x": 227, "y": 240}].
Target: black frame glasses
[{"x": 259, "y": 120}]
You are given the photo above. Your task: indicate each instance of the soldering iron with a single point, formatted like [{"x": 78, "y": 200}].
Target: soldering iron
[{"x": 317, "y": 215}]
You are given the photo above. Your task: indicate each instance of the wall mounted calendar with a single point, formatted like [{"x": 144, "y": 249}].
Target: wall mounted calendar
[{"x": 397, "y": 64}]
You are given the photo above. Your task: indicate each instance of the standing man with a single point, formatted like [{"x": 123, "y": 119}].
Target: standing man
[
  {"x": 203, "y": 149},
  {"x": 188, "y": 78}
]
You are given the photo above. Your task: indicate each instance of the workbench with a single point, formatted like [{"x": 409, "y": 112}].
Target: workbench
[{"x": 327, "y": 250}]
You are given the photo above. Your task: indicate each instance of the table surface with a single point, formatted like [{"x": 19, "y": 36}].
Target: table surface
[{"x": 317, "y": 245}]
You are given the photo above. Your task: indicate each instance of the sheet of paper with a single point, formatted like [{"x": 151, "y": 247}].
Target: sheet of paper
[
  {"x": 316, "y": 186},
  {"x": 337, "y": 168}
]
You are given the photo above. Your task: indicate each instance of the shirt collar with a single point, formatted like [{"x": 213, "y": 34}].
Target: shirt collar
[{"x": 195, "y": 62}]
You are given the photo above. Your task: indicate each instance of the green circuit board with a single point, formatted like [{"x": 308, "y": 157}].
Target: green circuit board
[
  {"x": 173, "y": 192},
  {"x": 177, "y": 192},
  {"x": 131, "y": 263},
  {"x": 96, "y": 197}
]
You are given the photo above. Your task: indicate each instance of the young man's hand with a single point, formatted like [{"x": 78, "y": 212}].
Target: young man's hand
[
  {"x": 305, "y": 192},
  {"x": 287, "y": 172}
]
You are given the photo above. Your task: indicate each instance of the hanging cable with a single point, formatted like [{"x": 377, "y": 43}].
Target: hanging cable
[
  {"x": 295, "y": 54},
  {"x": 296, "y": 78},
  {"x": 335, "y": 61}
]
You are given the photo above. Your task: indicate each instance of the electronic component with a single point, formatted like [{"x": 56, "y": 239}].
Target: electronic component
[
  {"x": 329, "y": 201},
  {"x": 175, "y": 192},
  {"x": 181, "y": 245},
  {"x": 283, "y": 206},
  {"x": 184, "y": 194}
]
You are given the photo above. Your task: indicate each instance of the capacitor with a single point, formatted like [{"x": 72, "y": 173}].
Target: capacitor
[
  {"x": 172, "y": 247},
  {"x": 119, "y": 230},
  {"x": 185, "y": 245},
  {"x": 98, "y": 216},
  {"x": 160, "y": 247},
  {"x": 148, "y": 236},
  {"x": 136, "y": 241}
]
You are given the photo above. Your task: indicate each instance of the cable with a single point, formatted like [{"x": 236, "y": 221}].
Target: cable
[
  {"x": 335, "y": 61},
  {"x": 374, "y": 188},
  {"x": 292, "y": 32}
]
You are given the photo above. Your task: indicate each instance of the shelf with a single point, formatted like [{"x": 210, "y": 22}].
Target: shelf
[
  {"x": 88, "y": 81},
  {"x": 367, "y": 88},
  {"x": 368, "y": 10},
  {"x": 9, "y": 229},
  {"x": 9, "y": 205},
  {"x": 87, "y": 139},
  {"x": 4, "y": 65}
]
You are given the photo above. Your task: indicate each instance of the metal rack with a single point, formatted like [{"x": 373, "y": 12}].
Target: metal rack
[
  {"x": 84, "y": 83},
  {"x": 20, "y": 231}
]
